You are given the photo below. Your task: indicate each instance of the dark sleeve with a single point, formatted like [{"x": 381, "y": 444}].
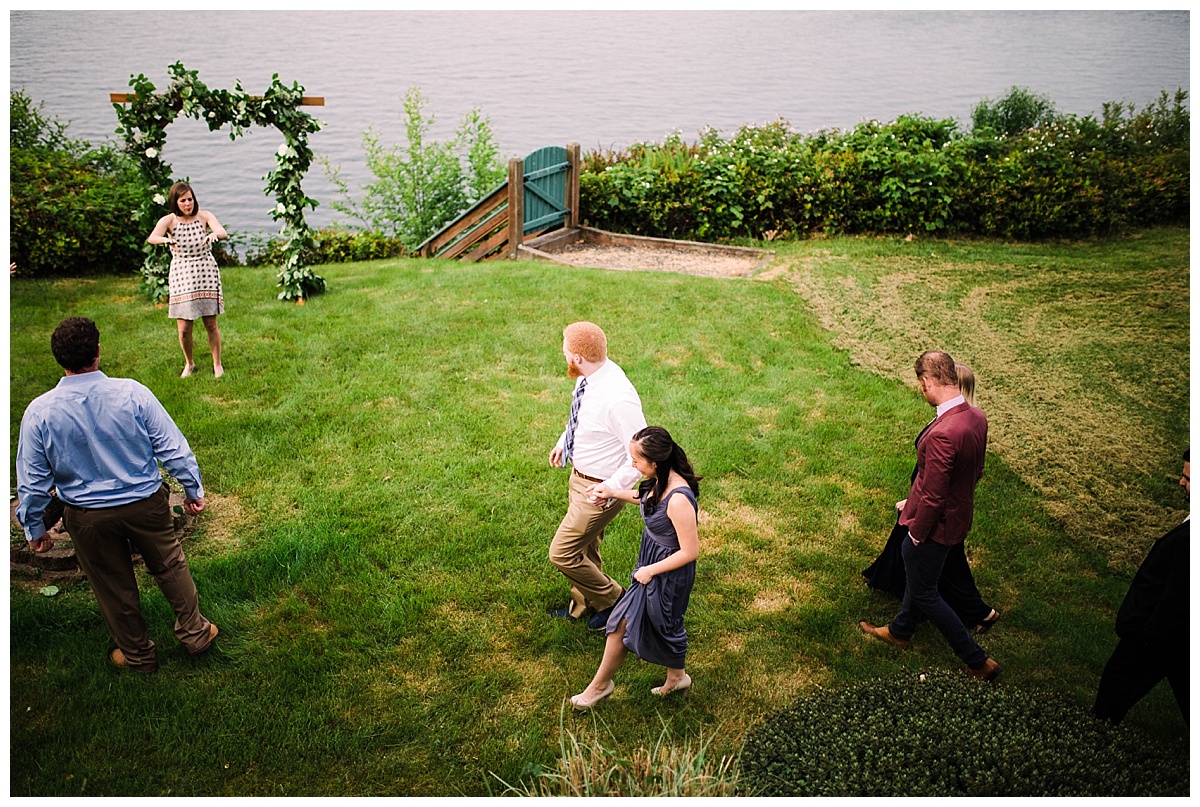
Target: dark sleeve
[{"x": 1171, "y": 614}]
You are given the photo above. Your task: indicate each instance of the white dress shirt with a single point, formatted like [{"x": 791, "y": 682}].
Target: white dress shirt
[
  {"x": 946, "y": 406},
  {"x": 610, "y": 413}
]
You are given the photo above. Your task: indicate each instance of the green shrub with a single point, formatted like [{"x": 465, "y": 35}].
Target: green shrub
[
  {"x": 419, "y": 188},
  {"x": 1018, "y": 111},
  {"x": 329, "y": 245},
  {"x": 1025, "y": 172},
  {"x": 905, "y": 173},
  {"x": 73, "y": 207},
  {"x": 943, "y": 734}
]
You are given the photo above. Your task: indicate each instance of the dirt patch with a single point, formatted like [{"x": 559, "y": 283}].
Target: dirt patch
[{"x": 665, "y": 259}]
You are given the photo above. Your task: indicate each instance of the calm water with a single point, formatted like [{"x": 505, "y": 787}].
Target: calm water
[{"x": 603, "y": 79}]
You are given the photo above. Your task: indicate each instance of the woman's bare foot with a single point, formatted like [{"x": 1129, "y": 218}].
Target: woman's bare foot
[
  {"x": 590, "y": 697},
  {"x": 678, "y": 685},
  {"x": 188, "y": 369},
  {"x": 218, "y": 371}
]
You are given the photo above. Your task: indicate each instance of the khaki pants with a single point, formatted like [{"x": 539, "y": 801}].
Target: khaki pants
[
  {"x": 575, "y": 550},
  {"x": 103, "y": 539}
]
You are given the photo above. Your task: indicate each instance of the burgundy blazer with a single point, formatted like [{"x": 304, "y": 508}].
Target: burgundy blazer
[{"x": 941, "y": 502}]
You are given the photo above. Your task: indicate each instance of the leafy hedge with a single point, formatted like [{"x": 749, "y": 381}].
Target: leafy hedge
[
  {"x": 73, "y": 207},
  {"x": 328, "y": 245},
  {"x": 1022, "y": 171},
  {"x": 943, "y": 734}
]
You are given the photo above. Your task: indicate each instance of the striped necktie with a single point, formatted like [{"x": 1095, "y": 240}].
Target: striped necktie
[{"x": 573, "y": 421}]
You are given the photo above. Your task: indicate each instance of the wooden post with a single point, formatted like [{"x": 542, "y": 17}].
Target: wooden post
[
  {"x": 516, "y": 205},
  {"x": 573, "y": 185}
]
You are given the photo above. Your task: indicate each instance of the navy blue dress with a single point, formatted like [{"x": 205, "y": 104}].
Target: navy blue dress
[{"x": 653, "y": 613}]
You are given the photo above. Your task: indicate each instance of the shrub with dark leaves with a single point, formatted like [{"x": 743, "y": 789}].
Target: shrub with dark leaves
[{"x": 948, "y": 735}]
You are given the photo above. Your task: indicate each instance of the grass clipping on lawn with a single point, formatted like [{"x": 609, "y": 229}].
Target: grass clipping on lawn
[{"x": 1043, "y": 331}]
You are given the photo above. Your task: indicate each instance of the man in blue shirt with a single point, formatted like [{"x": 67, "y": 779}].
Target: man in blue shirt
[{"x": 99, "y": 440}]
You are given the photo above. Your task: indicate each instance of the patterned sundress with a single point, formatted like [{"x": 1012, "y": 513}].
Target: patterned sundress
[{"x": 195, "y": 279}]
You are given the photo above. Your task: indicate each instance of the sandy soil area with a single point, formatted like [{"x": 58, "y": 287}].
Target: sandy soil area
[{"x": 659, "y": 260}]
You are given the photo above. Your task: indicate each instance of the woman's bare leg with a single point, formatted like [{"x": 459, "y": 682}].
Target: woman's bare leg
[
  {"x": 185, "y": 342},
  {"x": 614, "y": 655},
  {"x": 214, "y": 344},
  {"x": 676, "y": 679}
]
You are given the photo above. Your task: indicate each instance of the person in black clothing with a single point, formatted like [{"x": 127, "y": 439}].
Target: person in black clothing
[{"x": 1153, "y": 626}]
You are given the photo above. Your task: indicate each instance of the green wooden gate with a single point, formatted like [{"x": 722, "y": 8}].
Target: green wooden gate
[
  {"x": 540, "y": 194},
  {"x": 545, "y": 188}
]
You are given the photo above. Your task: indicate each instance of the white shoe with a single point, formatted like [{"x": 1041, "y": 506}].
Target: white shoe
[
  {"x": 582, "y": 704},
  {"x": 662, "y": 691}
]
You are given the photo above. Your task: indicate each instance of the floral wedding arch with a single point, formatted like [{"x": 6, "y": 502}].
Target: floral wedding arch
[{"x": 143, "y": 120}]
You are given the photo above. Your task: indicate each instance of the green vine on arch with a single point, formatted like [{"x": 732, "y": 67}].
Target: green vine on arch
[{"x": 143, "y": 123}]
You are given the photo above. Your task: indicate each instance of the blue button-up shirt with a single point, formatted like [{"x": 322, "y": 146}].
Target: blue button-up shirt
[{"x": 98, "y": 440}]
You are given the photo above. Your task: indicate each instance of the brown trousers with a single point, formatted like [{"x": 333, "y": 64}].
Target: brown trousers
[
  {"x": 575, "y": 550},
  {"x": 103, "y": 539}
]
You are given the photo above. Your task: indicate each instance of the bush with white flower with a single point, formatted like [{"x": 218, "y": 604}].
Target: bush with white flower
[{"x": 143, "y": 122}]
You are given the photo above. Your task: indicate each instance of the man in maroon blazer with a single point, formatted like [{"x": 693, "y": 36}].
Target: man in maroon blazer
[{"x": 938, "y": 513}]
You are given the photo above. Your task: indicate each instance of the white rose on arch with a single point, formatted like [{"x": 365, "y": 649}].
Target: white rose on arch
[
  {"x": 152, "y": 153},
  {"x": 159, "y": 199}
]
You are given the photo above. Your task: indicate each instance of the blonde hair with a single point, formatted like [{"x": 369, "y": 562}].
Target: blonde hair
[
  {"x": 586, "y": 339},
  {"x": 966, "y": 382}
]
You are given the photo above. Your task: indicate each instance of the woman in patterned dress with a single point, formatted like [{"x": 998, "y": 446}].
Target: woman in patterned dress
[
  {"x": 648, "y": 619},
  {"x": 195, "y": 279}
]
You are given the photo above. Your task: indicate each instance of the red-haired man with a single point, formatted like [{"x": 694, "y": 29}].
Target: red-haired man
[{"x": 605, "y": 413}]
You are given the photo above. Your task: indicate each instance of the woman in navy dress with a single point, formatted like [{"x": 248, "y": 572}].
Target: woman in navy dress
[{"x": 648, "y": 619}]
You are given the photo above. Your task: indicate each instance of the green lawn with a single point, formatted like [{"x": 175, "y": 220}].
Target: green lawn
[{"x": 381, "y": 505}]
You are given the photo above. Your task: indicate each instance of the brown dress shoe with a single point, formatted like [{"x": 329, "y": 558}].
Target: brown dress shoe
[
  {"x": 987, "y": 672},
  {"x": 212, "y": 635},
  {"x": 883, "y": 634},
  {"x": 118, "y": 658}
]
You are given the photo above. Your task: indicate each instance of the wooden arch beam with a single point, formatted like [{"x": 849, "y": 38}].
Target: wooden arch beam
[{"x": 305, "y": 100}]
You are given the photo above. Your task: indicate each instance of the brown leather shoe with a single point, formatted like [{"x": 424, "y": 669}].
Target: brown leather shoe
[
  {"x": 212, "y": 636},
  {"x": 883, "y": 634},
  {"x": 987, "y": 672},
  {"x": 118, "y": 658}
]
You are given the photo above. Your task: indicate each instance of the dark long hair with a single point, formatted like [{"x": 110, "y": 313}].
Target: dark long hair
[{"x": 656, "y": 445}]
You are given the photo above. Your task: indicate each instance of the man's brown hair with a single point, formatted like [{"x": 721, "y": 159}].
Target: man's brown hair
[
  {"x": 586, "y": 339},
  {"x": 937, "y": 365}
]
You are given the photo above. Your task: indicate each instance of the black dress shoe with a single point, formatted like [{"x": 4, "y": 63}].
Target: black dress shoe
[
  {"x": 986, "y": 625},
  {"x": 599, "y": 619}
]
